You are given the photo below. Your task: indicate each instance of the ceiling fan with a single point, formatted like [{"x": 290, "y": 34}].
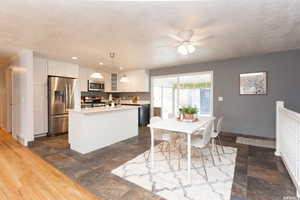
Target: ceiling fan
[{"x": 186, "y": 41}]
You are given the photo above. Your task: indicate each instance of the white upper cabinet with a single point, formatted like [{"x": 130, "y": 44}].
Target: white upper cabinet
[
  {"x": 114, "y": 82},
  {"x": 138, "y": 81},
  {"x": 84, "y": 76},
  {"x": 107, "y": 81},
  {"x": 57, "y": 68}
]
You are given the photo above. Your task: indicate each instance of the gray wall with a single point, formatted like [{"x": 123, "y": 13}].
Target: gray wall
[{"x": 250, "y": 115}]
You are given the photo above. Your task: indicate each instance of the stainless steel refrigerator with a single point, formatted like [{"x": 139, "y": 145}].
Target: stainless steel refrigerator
[{"x": 60, "y": 100}]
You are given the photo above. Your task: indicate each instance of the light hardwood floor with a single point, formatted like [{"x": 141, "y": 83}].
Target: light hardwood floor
[{"x": 25, "y": 176}]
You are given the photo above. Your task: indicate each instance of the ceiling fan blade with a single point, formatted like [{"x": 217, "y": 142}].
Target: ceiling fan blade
[
  {"x": 167, "y": 45},
  {"x": 198, "y": 39},
  {"x": 175, "y": 37},
  {"x": 186, "y": 34},
  {"x": 198, "y": 43}
]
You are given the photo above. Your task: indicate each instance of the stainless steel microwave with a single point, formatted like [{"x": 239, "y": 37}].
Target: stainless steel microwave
[{"x": 97, "y": 86}]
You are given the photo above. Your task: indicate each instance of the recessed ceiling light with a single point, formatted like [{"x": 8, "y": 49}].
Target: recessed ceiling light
[
  {"x": 74, "y": 58},
  {"x": 121, "y": 68},
  {"x": 101, "y": 63}
]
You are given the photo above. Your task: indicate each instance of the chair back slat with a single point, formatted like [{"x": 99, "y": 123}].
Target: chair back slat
[
  {"x": 219, "y": 124},
  {"x": 158, "y": 132},
  {"x": 207, "y": 132}
]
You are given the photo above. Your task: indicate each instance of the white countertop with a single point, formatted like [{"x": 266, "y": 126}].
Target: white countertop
[
  {"x": 103, "y": 109},
  {"x": 141, "y": 102}
]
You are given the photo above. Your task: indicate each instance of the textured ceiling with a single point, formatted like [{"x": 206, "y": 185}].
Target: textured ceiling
[{"x": 136, "y": 31}]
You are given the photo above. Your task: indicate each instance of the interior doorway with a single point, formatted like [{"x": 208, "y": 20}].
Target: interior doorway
[
  {"x": 8, "y": 77},
  {"x": 6, "y": 99}
]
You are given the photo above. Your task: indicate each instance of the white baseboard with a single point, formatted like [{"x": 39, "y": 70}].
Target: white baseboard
[
  {"x": 40, "y": 135},
  {"x": 21, "y": 140}
]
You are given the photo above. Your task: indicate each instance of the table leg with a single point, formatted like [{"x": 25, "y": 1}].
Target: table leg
[
  {"x": 189, "y": 157},
  {"x": 152, "y": 147}
]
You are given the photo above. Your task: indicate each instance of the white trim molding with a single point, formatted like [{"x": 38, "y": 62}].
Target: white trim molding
[{"x": 288, "y": 141}]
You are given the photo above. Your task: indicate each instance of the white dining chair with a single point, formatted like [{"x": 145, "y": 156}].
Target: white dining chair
[
  {"x": 216, "y": 136},
  {"x": 179, "y": 140},
  {"x": 164, "y": 137},
  {"x": 203, "y": 142}
]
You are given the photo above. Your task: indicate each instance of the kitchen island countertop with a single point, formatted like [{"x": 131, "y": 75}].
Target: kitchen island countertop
[{"x": 103, "y": 109}]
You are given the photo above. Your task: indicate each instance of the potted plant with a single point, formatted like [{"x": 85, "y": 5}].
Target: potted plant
[{"x": 189, "y": 112}]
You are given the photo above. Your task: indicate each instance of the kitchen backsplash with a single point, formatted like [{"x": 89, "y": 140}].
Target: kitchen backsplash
[
  {"x": 94, "y": 94},
  {"x": 144, "y": 96}
]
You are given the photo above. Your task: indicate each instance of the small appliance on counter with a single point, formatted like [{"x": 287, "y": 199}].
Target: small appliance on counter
[
  {"x": 110, "y": 97},
  {"x": 134, "y": 99}
]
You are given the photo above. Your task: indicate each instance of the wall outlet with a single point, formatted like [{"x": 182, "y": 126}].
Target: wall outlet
[{"x": 220, "y": 98}]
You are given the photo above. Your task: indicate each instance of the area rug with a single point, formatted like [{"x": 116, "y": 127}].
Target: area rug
[
  {"x": 256, "y": 142},
  {"x": 170, "y": 182}
]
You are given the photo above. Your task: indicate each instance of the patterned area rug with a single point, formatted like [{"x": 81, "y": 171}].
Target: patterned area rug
[
  {"x": 256, "y": 142},
  {"x": 170, "y": 182}
]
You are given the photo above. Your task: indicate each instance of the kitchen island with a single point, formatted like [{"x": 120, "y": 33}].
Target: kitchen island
[{"x": 94, "y": 128}]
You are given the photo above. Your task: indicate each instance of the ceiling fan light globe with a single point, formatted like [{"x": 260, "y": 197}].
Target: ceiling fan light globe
[
  {"x": 182, "y": 50},
  {"x": 191, "y": 48}
]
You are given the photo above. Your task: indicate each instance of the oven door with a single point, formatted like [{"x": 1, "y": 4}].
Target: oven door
[{"x": 95, "y": 86}]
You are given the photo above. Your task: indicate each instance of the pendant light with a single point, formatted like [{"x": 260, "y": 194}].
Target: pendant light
[{"x": 97, "y": 75}]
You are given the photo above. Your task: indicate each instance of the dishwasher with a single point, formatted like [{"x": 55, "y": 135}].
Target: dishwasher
[{"x": 143, "y": 112}]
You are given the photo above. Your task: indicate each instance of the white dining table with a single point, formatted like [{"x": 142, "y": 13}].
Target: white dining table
[{"x": 174, "y": 125}]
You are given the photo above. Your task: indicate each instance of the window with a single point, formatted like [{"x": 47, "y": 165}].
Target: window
[{"x": 169, "y": 93}]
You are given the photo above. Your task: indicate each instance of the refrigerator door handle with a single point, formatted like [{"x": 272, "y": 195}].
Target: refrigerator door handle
[
  {"x": 70, "y": 96},
  {"x": 66, "y": 97}
]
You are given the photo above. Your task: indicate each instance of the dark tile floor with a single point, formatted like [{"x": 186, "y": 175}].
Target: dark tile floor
[{"x": 259, "y": 175}]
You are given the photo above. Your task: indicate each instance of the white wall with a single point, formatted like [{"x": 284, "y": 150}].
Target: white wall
[{"x": 22, "y": 97}]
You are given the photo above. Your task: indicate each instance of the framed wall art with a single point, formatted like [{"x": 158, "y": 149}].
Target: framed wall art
[{"x": 253, "y": 83}]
